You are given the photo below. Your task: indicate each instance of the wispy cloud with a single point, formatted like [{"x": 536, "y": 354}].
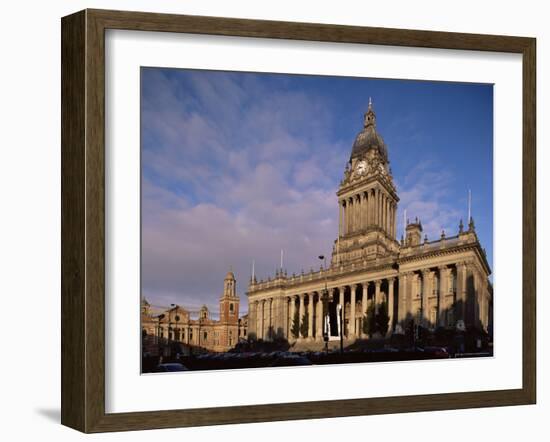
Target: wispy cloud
[
  {"x": 426, "y": 192},
  {"x": 230, "y": 177}
]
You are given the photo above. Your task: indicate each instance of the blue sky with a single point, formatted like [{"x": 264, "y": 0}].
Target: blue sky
[{"x": 236, "y": 166}]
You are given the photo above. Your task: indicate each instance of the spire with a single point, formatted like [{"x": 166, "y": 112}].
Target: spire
[
  {"x": 461, "y": 227},
  {"x": 370, "y": 116}
]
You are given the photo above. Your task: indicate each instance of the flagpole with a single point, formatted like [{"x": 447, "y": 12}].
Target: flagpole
[
  {"x": 405, "y": 223},
  {"x": 469, "y": 205}
]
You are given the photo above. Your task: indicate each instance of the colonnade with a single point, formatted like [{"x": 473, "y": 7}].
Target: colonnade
[
  {"x": 434, "y": 297},
  {"x": 373, "y": 207},
  {"x": 275, "y": 317}
]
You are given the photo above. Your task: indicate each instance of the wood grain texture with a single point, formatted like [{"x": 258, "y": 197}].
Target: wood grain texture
[
  {"x": 73, "y": 129},
  {"x": 83, "y": 220}
]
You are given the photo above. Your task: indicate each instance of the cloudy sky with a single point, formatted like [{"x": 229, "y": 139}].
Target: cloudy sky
[{"x": 237, "y": 166}]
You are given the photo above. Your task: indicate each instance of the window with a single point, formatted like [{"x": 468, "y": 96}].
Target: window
[
  {"x": 231, "y": 307},
  {"x": 433, "y": 317},
  {"x": 205, "y": 336}
]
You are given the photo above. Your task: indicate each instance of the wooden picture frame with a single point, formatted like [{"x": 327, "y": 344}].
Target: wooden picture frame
[{"x": 83, "y": 220}]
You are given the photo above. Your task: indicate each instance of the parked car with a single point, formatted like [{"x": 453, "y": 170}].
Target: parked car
[
  {"x": 437, "y": 351},
  {"x": 289, "y": 361},
  {"x": 170, "y": 367}
]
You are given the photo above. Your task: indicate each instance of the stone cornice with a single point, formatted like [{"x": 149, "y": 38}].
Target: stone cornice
[
  {"x": 447, "y": 251},
  {"x": 349, "y": 189}
]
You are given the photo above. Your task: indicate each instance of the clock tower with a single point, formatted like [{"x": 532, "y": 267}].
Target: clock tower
[{"x": 367, "y": 200}]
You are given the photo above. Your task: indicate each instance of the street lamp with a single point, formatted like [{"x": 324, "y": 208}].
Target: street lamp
[
  {"x": 325, "y": 299},
  {"x": 160, "y": 318},
  {"x": 176, "y": 330}
]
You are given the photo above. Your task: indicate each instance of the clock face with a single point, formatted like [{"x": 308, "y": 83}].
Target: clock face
[{"x": 361, "y": 167}]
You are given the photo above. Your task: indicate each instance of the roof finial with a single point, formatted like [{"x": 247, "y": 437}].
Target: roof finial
[{"x": 370, "y": 103}]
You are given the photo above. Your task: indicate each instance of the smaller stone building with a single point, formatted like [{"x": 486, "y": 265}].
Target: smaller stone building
[{"x": 175, "y": 325}]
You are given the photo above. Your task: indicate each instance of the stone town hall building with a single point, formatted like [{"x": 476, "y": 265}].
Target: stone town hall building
[{"x": 441, "y": 283}]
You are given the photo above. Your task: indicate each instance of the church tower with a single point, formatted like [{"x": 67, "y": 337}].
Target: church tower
[
  {"x": 229, "y": 302},
  {"x": 367, "y": 199}
]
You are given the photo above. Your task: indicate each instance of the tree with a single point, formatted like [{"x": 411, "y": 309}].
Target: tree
[
  {"x": 295, "y": 330},
  {"x": 382, "y": 319},
  {"x": 304, "y": 326},
  {"x": 369, "y": 324}
]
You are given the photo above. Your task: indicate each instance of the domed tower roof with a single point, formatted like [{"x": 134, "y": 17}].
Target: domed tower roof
[
  {"x": 230, "y": 275},
  {"x": 369, "y": 138}
]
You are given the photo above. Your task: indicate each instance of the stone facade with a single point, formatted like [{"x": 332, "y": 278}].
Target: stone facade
[
  {"x": 439, "y": 283},
  {"x": 204, "y": 333}
]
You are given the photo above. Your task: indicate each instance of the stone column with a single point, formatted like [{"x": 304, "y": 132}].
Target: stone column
[
  {"x": 271, "y": 322},
  {"x": 319, "y": 323},
  {"x": 340, "y": 217},
  {"x": 376, "y": 206},
  {"x": 395, "y": 220},
  {"x": 381, "y": 209},
  {"x": 377, "y": 284},
  {"x": 443, "y": 298},
  {"x": 262, "y": 319},
  {"x": 384, "y": 219},
  {"x": 360, "y": 214},
  {"x": 352, "y": 328},
  {"x": 252, "y": 318},
  {"x": 388, "y": 217},
  {"x": 390, "y": 304},
  {"x": 391, "y": 219},
  {"x": 349, "y": 214},
  {"x": 292, "y": 313},
  {"x": 402, "y": 303},
  {"x": 310, "y": 319},
  {"x": 364, "y": 304},
  {"x": 341, "y": 302},
  {"x": 461, "y": 290},
  {"x": 354, "y": 215},
  {"x": 346, "y": 216},
  {"x": 284, "y": 317},
  {"x": 384, "y": 212},
  {"x": 371, "y": 206},
  {"x": 354, "y": 203},
  {"x": 365, "y": 205},
  {"x": 301, "y": 312},
  {"x": 356, "y": 212},
  {"x": 425, "y": 293}
]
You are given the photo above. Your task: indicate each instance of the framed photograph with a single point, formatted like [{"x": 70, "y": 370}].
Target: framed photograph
[{"x": 275, "y": 220}]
